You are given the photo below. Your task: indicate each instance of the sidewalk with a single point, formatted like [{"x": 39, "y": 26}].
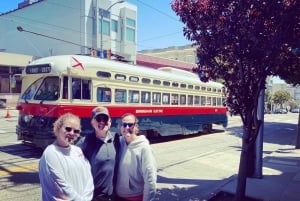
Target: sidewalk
[
  {"x": 281, "y": 178},
  {"x": 201, "y": 177}
]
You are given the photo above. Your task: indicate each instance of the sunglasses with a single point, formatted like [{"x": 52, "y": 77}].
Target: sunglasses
[
  {"x": 101, "y": 118},
  {"x": 130, "y": 125},
  {"x": 69, "y": 129}
]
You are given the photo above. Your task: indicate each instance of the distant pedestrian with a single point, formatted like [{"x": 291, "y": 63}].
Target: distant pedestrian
[
  {"x": 101, "y": 149},
  {"x": 64, "y": 172},
  {"x": 137, "y": 172}
]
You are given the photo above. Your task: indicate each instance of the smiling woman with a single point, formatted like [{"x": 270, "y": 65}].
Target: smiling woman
[{"x": 64, "y": 172}]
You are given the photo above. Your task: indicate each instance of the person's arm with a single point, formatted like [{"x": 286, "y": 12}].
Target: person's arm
[
  {"x": 89, "y": 188},
  {"x": 149, "y": 169}
]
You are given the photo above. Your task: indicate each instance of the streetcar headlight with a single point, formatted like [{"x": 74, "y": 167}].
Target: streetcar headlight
[{"x": 27, "y": 118}]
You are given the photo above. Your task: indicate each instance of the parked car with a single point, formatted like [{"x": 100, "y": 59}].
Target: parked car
[
  {"x": 295, "y": 110},
  {"x": 280, "y": 111},
  {"x": 2, "y": 103}
]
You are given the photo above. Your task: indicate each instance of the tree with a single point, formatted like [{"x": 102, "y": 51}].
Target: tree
[
  {"x": 280, "y": 97},
  {"x": 242, "y": 42}
]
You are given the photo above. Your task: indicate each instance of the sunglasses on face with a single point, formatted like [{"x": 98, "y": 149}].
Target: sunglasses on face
[
  {"x": 69, "y": 129},
  {"x": 101, "y": 118},
  {"x": 130, "y": 125}
]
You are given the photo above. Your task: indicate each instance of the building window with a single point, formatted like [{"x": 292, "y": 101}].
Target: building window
[
  {"x": 130, "y": 34},
  {"x": 130, "y": 22},
  {"x": 130, "y": 29},
  {"x": 9, "y": 83},
  {"x": 105, "y": 27},
  {"x": 114, "y": 25}
]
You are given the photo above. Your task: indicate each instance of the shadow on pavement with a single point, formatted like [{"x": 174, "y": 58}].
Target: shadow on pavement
[
  {"x": 22, "y": 150},
  {"x": 188, "y": 189},
  {"x": 285, "y": 133}
]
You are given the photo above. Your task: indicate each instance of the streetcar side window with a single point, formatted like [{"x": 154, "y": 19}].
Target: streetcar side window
[
  {"x": 81, "y": 88},
  {"x": 65, "y": 88},
  {"x": 190, "y": 99},
  {"x": 197, "y": 100},
  {"x": 146, "y": 97},
  {"x": 103, "y": 94},
  {"x": 166, "y": 83},
  {"x": 133, "y": 96},
  {"x": 208, "y": 101},
  {"x": 103, "y": 74},
  {"x": 86, "y": 89},
  {"x": 166, "y": 99},
  {"x": 214, "y": 101},
  {"x": 175, "y": 84},
  {"x": 76, "y": 88},
  {"x": 182, "y": 99},
  {"x": 146, "y": 81},
  {"x": 174, "y": 99},
  {"x": 120, "y": 95},
  {"x": 156, "y": 98},
  {"x": 157, "y": 82},
  {"x": 219, "y": 101},
  {"x": 203, "y": 100}
]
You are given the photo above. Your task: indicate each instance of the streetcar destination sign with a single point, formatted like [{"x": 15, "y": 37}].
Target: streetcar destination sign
[{"x": 36, "y": 69}]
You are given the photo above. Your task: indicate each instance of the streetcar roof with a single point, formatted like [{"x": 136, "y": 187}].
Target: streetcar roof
[{"x": 80, "y": 65}]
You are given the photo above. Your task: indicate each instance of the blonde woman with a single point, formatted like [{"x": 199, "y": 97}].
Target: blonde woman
[
  {"x": 64, "y": 172},
  {"x": 137, "y": 172}
]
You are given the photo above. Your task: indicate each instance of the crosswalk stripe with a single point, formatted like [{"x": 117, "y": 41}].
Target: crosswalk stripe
[{"x": 25, "y": 168}]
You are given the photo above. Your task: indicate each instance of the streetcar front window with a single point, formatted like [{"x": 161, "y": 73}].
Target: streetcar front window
[
  {"x": 31, "y": 90},
  {"x": 48, "y": 90}
]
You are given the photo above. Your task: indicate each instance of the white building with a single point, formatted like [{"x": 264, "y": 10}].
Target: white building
[{"x": 53, "y": 27}]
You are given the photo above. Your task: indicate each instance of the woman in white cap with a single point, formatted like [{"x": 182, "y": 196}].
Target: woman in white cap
[{"x": 101, "y": 148}]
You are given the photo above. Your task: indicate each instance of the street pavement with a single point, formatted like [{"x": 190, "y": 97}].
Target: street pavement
[{"x": 217, "y": 171}]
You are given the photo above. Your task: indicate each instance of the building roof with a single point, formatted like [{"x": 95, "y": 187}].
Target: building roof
[
  {"x": 11, "y": 59},
  {"x": 157, "y": 62}
]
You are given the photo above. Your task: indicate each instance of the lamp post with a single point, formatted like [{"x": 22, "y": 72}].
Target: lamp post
[{"x": 101, "y": 28}]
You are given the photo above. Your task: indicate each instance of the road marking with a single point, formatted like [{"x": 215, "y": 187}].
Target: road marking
[{"x": 25, "y": 168}]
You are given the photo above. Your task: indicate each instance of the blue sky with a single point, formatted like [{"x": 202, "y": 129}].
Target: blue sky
[{"x": 157, "y": 27}]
